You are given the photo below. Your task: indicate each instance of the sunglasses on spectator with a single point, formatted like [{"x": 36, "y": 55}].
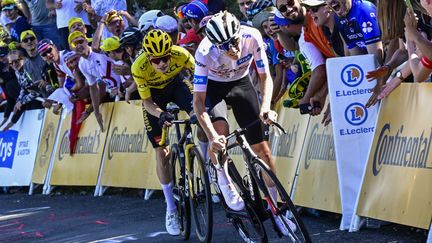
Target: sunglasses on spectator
[
  {"x": 234, "y": 42},
  {"x": 315, "y": 8},
  {"x": 30, "y": 39},
  {"x": 115, "y": 22},
  {"x": 16, "y": 61},
  {"x": 77, "y": 42},
  {"x": 48, "y": 51},
  {"x": 284, "y": 7},
  {"x": 118, "y": 50},
  {"x": 157, "y": 60}
]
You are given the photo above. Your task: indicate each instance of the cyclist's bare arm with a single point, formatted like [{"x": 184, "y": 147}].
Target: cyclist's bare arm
[
  {"x": 267, "y": 90},
  {"x": 151, "y": 107},
  {"x": 202, "y": 115}
]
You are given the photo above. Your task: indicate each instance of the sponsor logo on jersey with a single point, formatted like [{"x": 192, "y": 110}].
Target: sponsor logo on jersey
[
  {"x": 244, "y": 59},
  {"x": 260, "y": 64},
  {"x": 200, "y": 80}
]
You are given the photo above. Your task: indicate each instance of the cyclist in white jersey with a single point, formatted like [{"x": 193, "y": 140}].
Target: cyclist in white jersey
[{"x": 222, "y": 63}]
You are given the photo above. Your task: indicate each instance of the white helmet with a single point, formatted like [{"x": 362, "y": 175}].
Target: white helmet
[
  {"x": 222, "y": 27},
  {"x": 147, "y": 18}
]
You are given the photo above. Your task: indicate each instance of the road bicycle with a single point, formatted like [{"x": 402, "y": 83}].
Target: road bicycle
[
  {"x": 254, "y": 189},
  {"x": 191, "y": 187}
]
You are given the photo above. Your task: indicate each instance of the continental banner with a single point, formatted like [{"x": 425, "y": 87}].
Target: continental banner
[
  {"x": 129, "y": 159},
  {"x": 317, "y": 183},
  {"x": 397, "y": 181},
  {"x": 82, "y": 168},
  {"x": 46, "y": 146},
  {"x": 287, "y": 148}
]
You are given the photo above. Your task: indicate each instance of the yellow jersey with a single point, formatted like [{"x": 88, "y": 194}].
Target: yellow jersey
[{"x": 147, "y": 77}]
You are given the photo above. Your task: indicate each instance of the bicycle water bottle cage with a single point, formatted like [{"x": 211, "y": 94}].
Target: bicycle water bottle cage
[{"x": 173, "y": 108}]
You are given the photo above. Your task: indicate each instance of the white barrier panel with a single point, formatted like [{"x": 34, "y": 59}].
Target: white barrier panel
[
  {"x": 353, "y": 124},
  {"x": 397, "y": 184},
  {"x": 18, "y": 148}
]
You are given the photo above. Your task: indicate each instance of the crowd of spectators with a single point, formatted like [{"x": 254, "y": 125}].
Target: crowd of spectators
[{"x": 65, "y": 54}]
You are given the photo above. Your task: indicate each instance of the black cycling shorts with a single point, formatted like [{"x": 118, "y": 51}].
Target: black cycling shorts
[
  {"x": 179, "y": 92},
  {"x": 243, "y": 99}
]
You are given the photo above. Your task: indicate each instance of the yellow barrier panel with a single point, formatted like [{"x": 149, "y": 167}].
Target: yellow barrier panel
[
  {"x": 46, "y": 147},
  {"x": 287, "y": 147},
  {"x": 397, "y": 183},
  {"x": 82, "y": 168},
  {"x": 129, "y": 159},
  {"x": 317, "y": 184}
]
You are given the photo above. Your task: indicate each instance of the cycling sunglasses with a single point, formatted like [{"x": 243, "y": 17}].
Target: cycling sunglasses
[
  {"x": 48, "y": 51},
  {"x": 226, "y": 46},
  {"x": 30, "y": 39},
  {"x": 157, "y": 60},
  {"x": 284, "y": 7}
]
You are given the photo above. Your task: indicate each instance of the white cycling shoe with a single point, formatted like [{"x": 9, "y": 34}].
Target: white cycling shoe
[
  {"x": 281, "y": 225},
  {"x": 232, "y": 198},
  {"x": 172, "y": 223}
]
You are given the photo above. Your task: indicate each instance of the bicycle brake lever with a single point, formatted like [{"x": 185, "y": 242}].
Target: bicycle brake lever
[{"x": 279, "y": 127}]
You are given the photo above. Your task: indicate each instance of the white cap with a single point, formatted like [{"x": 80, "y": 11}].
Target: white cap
[{"x": 166, "y": 23}]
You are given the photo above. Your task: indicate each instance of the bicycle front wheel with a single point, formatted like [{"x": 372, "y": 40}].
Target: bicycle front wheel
[
  {"x": 180, "y": 197},
  {"x": 200, "y": 196},
  {"x": 284, "y": 211}
]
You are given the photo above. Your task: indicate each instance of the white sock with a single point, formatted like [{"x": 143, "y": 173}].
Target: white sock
[
  {"x": 169, "y": 197},
  {"x": 222, "y": 177},
  {"x": 204, "y": 149}
]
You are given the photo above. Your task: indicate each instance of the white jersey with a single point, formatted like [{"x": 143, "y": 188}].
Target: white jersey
[
  {"x": 98, "y": 67},
  {"x": 211, "y": 63},
  {"x": 62, "y": 66}
]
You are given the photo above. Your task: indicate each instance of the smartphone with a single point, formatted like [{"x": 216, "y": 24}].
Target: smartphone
[
  {"x": 409, "y": 5},
  {"x": 306, "y": 108}
]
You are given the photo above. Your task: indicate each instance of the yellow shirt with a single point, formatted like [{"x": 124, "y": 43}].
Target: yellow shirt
[{"x": 147, "y": 77}]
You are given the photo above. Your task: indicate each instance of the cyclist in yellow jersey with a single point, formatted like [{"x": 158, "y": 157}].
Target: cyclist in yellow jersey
[{"x": 157, "y": 75}]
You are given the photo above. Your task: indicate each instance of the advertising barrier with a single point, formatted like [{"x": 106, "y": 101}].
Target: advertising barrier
[
  {"x": 81, "y": 169},
  {"x": 129, "y": 159},
  {"x": 18, "y": 148},
  {"x": 353, "y": 124},
  {"x": 287, "y": 148},
  {"x": 397, "y": 183},
  {"x": 317, "y": 183},
  {"x": 46, "y": 147}
]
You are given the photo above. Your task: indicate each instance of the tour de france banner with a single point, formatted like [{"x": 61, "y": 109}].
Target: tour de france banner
[
  {"x": 129, "y": 158},
  {"x": 46, "y": 147},
  {"x": 18, "y": 147},
  {"x": 353, "y": 124},
  {"x": 317, "y": 184},
  {"x": 286, "y": 148},
  {"x": 397, "y": 184},
  {"x": 81, "y": 169}
]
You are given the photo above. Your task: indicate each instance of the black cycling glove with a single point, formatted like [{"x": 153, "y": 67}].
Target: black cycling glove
[{"x": 165, "y": 116}]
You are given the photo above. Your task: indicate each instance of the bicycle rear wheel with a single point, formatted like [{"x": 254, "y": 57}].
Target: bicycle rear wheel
[
  {"x": 284, "y": 211},
  {"x": 200, "y": 196},
  {"x": 180, "y": 197}
]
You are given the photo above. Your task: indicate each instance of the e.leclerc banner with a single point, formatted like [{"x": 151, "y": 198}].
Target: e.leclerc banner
[
  {"x": 18, "y": 148},
  {"x": 353, "y": 124}
]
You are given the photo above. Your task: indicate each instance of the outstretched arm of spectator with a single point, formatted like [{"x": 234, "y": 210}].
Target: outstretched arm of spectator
[
  {"x": 317, "y": 80},
  {"x": 131, "y": 20},
  {"x": 98, "y": 34},
  {"x": 277, "y": 82},
  {"x": 412, "y": 33},
  {"x": 419, "y": 71},
  {"x": 25, "y": 9},
  {"x": 394, "y": 83},
  {"x": 79, "y": 81},
  {"x": 94, "y": 95},
  {"x": 376, "y": 49}
]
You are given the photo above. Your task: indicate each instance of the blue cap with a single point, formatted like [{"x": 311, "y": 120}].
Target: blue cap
[
  {"x": 195, "y": 10},
  {"x": 281, "y": 20}
]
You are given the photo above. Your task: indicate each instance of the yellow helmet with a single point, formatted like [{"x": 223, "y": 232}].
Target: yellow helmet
[{"x": 157, "y": 43}]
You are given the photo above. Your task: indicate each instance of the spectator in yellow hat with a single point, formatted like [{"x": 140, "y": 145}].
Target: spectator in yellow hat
[{"x": 18, "y": 23}]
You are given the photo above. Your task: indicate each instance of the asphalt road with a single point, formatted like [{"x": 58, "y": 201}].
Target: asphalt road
[{"x": 77, "y": 216}]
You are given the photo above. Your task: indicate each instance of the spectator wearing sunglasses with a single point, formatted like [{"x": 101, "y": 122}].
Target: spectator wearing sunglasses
[
  {"x": 34, "y": 64},
  {"x": 98, "y": 73},
  {"x": 30, "y": 95},
  {"x": 356, "y": 21},
  {"x": 312, "y": 43},
  {"x": 18, "y": 22}
]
